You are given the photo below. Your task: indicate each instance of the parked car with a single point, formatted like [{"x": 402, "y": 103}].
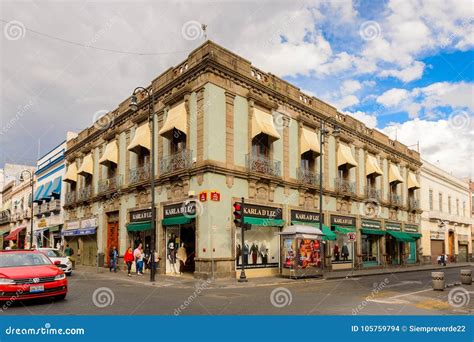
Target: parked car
[
  {"x": 28, "y": 274},
  {"x": 57, "y": 255}
]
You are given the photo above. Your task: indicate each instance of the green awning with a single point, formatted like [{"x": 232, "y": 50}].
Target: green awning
[
  {"x": 414, "y": 235},
  {"x": 139, "y": 226},
  {"x": 372, "y": 231},
  {"x": 344, "y": 230},
  {"x": 172, "y": 221},
  {"x": 401, "y": 236},
  {"x": 266, "y": 222},
  {"x": 328, "y": 234}
]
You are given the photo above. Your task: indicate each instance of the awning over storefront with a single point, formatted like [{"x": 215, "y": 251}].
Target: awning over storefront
[
  {"x": 110, "y": 155},
  {"x": 266, "y": 222},
  {"x": 394, "y": 175},
  {"x": 139, "y": 226},
  {"x": 13, "y": 235},
  {"x": 415, "y": 236},
  {"x": 345, "y": 157},
  {"x": 38, "y": 193},
  {"x": 263, "y": 123},
  {"x": 171, "y": 221},
  {"x": 344, "y": 230},
  {"x": 46, "y": 195},
  {"x": 56, "y": 188},
  {"x": 372, "y": 231},
  {"x": 76, "y": 232},
  {"x": 401, "y": 236},
  {"x": 38, "y": 232},
  {"x": 7, "y": 205},
  {"x": 141, "y": 139},
  {"x": 328, "y": 234},
  {"x": 309, "y": 141},
  {"x": 71, "y": 173},
  {"x": 87, "y": 166},
  {"x": 176, "y": 119},
  {"x": 372, "y": 166},
  {"x": 412, "y": 181}
]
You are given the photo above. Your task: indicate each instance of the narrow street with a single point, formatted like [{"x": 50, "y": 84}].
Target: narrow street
[{"x": 391, "y": 294}]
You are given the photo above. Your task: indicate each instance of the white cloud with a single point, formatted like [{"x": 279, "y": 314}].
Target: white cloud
[
  {"x": 393, "y": 97},
  {"x": 408, "y": 74},
  {"x": 443, "y": 142},
  {"x": 368, "y": 119},
  {"x": 347, "y": 101},
  {"x": 350, "y": 86}
]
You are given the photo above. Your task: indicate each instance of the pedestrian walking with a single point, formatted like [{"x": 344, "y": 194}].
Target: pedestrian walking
[
  {"x": 128, "y": 258},
  {"x": 138, "y": 255},
  {"x": 113, "y": 259},
  {"x": 70, "y": 253}
]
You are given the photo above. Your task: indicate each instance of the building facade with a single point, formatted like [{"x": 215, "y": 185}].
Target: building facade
[
  {"x": 48, "y": 198},
  {"x": 225, "y": 131},
  {"x": 446, "y": 220}
]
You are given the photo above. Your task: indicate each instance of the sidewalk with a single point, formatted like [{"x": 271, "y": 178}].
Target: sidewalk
[{"x": 187, "y": 281}]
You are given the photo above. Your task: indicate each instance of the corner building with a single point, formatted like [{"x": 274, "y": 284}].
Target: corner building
[{"x": 226, "y": 130}]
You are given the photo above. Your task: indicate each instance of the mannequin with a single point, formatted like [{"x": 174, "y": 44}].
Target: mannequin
[
  {"x": 264, "y": 251},
  {"x": 172, "y": 253},
  {"x": 246, "y": 251},
  {"x": 182, "y": 257},
  {"x": 254, "y": 251},
  {"x": 345, "y": 252}
]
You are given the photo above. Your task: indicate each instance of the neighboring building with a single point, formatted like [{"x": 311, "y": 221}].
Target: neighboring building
[
  {"x": 446, "y": 220},
  {"x": 49, "y": 198},
  {"x": 226, "y": 130},
  {"x": 5, "y": 213},
  {"x": 10, "y": 172},
  {"x": 471, "y": 187}
]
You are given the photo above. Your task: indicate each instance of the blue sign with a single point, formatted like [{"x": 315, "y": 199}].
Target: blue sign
[{"x": 74, "y": 232}]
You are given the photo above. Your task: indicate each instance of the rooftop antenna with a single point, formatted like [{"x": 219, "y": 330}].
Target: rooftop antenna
[{"x": 204, "y": 31}]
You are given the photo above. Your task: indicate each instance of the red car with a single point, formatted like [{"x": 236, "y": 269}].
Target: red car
[{"x": 28, "y": 274}]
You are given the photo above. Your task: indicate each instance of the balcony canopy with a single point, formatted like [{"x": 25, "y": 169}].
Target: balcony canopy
[
  {"x": 412, "y": 181},
  {"x": 110, "y": 155},
  {"x": 141, "y": 139},
  {"x": 394, "y": 175},
  {"x": 87, "y": 166},
  {"x": 262, "y": 123},
  {"x": 345, "y": 157},
  {"x": 38, "y": 193},
  {"x": 372, "y": 166},
  {"x": 176, "y": 119},
  {"x": 56, "y": 188},
  {"x": 46, "y": 194},
  {"x": 309, "y": 141},
  {"x": 71, "y": 174}
]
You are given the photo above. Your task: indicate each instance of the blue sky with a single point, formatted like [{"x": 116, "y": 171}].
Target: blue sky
[{"x": 402, "y": 66}]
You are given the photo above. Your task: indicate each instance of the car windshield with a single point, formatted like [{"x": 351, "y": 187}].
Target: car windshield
[
  {"x": 23, "y": 259},
  {"x": 53, "y": 253}
]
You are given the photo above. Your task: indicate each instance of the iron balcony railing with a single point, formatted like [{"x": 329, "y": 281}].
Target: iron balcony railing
[
  {"x": 263, "y": 165},
  {"x": 178, "y": 161},
  {"x": 55, "y": 205},
  {"x": 37, "y": 209},
  {"x": 413, "y": 204},
  {"x": 5, "y": 216},
  {"x": 84, "y": 194},
  {"x": 395, "y": 199},
  {"x": 372, "y": 193},
  {"x": 44, "y": 208},
  {"x": 70, "y": 198},
  {"x": 344, "y": 186},
  {"x": 139, "y": 174},
  {"x": 110, "y": 184},
  {"x": 307, "y": 176}
]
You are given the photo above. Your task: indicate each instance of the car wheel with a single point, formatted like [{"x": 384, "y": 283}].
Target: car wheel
[
  {"x": 69, "y": 273},
  {"x": 61, "y": 297}
]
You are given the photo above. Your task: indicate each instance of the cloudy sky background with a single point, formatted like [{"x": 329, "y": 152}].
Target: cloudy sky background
[{"x": 404, "y": 67}]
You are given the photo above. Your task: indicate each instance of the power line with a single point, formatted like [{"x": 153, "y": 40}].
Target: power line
[{"x": 95, "y": 47}]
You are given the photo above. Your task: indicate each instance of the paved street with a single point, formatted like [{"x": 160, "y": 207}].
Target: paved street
[{"x": 391, "y": 294}]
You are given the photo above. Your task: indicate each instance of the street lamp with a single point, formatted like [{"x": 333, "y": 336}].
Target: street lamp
[
  {"x": 322, "y": 132},
  {"x": 134, "y": 108},
  {"x": 32, "y": 183}
]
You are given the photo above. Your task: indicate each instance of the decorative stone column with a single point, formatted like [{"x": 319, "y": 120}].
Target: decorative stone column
[
  {"x": 200, "y": 124},
  {"x": 229, "y": 128}
]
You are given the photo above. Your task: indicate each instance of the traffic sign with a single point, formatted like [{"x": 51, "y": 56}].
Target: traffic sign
[{"x": 351, "y": 236}]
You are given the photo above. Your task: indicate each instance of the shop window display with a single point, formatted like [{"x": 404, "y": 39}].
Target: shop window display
[
  {"x": 261, "y": 247},
  {"x": 369, "y": 248},
  {"x": 341, "y": 249}
]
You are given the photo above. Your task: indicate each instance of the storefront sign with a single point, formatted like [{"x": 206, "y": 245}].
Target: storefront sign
[
  {"x": 72, "y": 225},
  {"x": 203, "y": 196},
  {"x": 343, "y": 220},
  {"x": 215, "y": 196},
  {"x": 411, "y": 228},
  {"x": 304, "y": 216},
  {"x": 187, "y": 208},
  {"x": 88, "y": 223},
  {"x": 140, "y": 215},
  {"x": 371, "y": 224},
  {"x": 393, "y": 226},
  {"x": 262, "y": 212},
  {"x": 42, "y": 223},
  {"x": 437, "y": 235}
]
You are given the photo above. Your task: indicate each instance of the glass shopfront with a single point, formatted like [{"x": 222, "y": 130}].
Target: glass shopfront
[
  {"x": 371, "y": 232},
  {"x": 261, "y": 247},
  {"x": 342, "y": 249},
  {"x": 393, "y": 247}
]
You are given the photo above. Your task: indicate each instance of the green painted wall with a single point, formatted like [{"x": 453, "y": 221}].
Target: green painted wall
[
  {"x": 332, "y": 161},
  {"x": 361, "y": 172},
  {"x": 278, "y": 144},
  {"x": 214, "y": 123},
  {"x": 122, "y": 139},
  {"x": 192, "y": 124},
  {"x": 294, "y": 156},
  {"x": 241, "y": 114}
]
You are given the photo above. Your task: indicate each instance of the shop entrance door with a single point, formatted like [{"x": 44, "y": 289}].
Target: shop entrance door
[
  {"x": 437, "y": 249},
  {"x": 183, "y": 234},
  {"x": 462, "y": 253},
  {"x": 451, "y": 246},
  {"x": 411, "y": 252},
  {"x": 89, "y": 252},
  {"x": 392, "y": 250},
  {"x": 112, "y": 238}
]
